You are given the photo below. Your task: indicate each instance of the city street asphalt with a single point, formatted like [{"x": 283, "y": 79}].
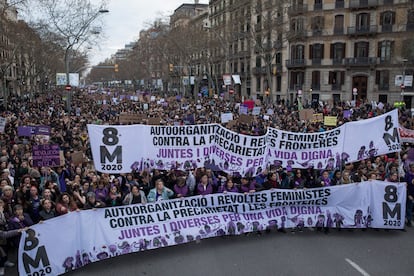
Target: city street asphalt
[{"x": 309, "y": 253}]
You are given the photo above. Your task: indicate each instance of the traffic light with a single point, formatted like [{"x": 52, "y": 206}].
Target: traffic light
[
  {"x": 116, "y": 67},
  {"x": 171, "y": 67}
]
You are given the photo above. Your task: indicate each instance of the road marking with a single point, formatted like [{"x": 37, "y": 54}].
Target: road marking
[{"x": 357, "y": 267}]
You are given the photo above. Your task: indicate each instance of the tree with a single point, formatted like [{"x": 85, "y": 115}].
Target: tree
[{"x": 76, "y": 21}]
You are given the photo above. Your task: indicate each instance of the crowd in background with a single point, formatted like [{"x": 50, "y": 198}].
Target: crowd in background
[{"x": 31, "y": 194}]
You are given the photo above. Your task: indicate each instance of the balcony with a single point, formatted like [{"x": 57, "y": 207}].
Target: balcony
[
  {"x": 316, "y": 86},
  {"x": 337, "y": 61},
  {"x": 260, "y": 70},
  {"x": 318, "y": 7},
  {"x": 316, "y": 61},
  {"x": 317, "y": 32},
  {"x": 338, "y": 31},
  {"x": 297, "y": 35},
  {"x": 361, "y": 61},
  {"x": 363, "y": 30},
  {"x": 384, "y": 87},
  {"x": 363, "y": 4},
  {"x": 385, "y": 60},
  {"x": 410, "y": 27},
  {"x": 339, "y": 4},
  {"x": 336, "y": 87},
  {"x": 386, "y": 28},
  {"x": 297, "y": 9},
  {"x": 293, "y": 63}
]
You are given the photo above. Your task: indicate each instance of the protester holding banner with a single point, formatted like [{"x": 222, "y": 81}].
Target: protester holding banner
[
  {"x": 205, "y": 187},
  {"x": 135, "y": 196},
  {"x": 4, "y": 235},
  {"x": 48, "y": 210},
  {"x": 160, "y": 192},
  {"x": 410, "y": 203},
  {"x": 246, "y": 186},
  {"x": 181, "y": 188},
  {"x": 92, "y": 202},
  {"x": 228, "y": 187},
  {"x": 19, "y": 220},
  {"x": 298, "y": 180},
  {"x": 273, "y": 181},
  {"x": 65, "y": 204}
]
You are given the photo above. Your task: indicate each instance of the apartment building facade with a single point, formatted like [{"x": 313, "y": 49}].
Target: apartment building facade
[{"x": 320, "y": 50}]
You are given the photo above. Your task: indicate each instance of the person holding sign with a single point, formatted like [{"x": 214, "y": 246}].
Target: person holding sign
[{"x": 160, "y": 192}]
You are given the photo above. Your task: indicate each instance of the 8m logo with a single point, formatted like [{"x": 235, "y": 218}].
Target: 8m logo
[{"x": 110, "y": 138}]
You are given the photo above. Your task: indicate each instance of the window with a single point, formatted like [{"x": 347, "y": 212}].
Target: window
[
  {"x": 387, "y": 19},
  {"x": 410, "y": 20},
  {"x": 258, "y": 61},
  {"x": 318, "y": 5},
  {"x": 316, "y": 80},
  {"x": 338, "y": 52},
  {"x": 296, "y": 79},
  {"x": 296, "y": 25},
  {"x": 317, "y": 24},
  {"x": 298, "y": 52},
  {"x": 278, "y": 58},
  {"x": 258, "y": 84},
  {"x": 361, "y": 49},
  {"x": 385, "y": 49},
  {"x": 336, "y": 79},
  {"x": 362, "y": 23},
  {"x": 339, "y": 4},
  {"x": 382, "y": 79},
  {"x": 316, "y": 53},
  {"x": 339, "y": 24}
]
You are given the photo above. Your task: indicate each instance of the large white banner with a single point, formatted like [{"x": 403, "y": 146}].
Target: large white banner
[
  {"x": 93, "y": 235},
  {"x": 119, "y": 149}
]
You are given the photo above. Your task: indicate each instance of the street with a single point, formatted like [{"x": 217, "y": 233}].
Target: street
[{"x": 308, "y": 253}]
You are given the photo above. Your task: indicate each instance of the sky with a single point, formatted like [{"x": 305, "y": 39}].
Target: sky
[{"x": 126, "y": 18}]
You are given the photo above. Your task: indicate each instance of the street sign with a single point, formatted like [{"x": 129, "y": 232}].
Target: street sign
[
  {"x": 355, "y": 91},
  {"x": 68, "y": 87},
  {"x": 299, "y": 92}
]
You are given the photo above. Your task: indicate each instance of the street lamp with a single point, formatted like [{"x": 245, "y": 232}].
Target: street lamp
[{"x": 355, "y": 93}]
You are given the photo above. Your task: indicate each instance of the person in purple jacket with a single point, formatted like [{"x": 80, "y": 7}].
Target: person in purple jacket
[
  {"x": 247, "y": 186},
  {"x": 101, "y": 192},
  {"x": 181, "y": 188},
  {"x": 205, "y": 187},
  {"x": 228, "y": 187}
]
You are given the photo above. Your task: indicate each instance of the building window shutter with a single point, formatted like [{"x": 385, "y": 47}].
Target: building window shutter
[
  {"x": 311, "y": 51},
  {"x": 331, "y": 77}
]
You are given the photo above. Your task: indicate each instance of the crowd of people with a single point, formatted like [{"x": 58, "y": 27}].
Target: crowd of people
[{"x": 31, "y": 194}]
